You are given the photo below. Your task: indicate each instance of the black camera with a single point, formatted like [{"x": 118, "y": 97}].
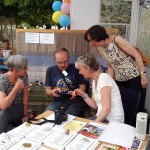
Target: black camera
[{"x": 60, "y": 116}]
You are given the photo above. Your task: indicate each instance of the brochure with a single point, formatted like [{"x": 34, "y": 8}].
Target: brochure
[
  {"x": 74, "y": 125},
  {"x": 7, "y": 141},
  {"x": 58, "y": 139},
  {"x": 81, "y": 142},
  {"x": 26, "y": 144},
  {"x": 23, "y": 129},
  {"x": 93, "y": 130},
  {"x": 40, "y": 133},
  {"x": 106, "y": 147},
  {"x": 135, "y": 145}
]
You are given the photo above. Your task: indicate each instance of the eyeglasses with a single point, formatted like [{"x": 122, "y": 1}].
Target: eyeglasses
[{"x": 62, "y": 62}]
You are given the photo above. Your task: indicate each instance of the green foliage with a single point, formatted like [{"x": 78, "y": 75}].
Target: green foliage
[{"x": 31, "y": 12}]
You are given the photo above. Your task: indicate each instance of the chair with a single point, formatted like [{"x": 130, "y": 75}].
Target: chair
[{"x": 130, "y": 101}]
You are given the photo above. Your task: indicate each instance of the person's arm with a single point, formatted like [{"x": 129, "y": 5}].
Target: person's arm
[
  {"x": 52, "y": 92},
  {"x": 106, "y": 103},
  {"x": 90, "y": 101},
  {"x": 131, "y": 51},
  {"x": 111, "y": 71},
  {"x": 82, "y": 87},
  {"x": 25, "y": 102},
  {"x": 6, "y": 100},
  {"x": 25, "y": 99}
]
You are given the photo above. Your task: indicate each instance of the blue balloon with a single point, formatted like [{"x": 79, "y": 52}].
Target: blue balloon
[
  {"x": 64, "y": 20},
  {"x": 57, "y": 6}
]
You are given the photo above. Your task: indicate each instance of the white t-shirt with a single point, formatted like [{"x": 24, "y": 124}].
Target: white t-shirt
[
  {"x": 116, "y": 114},
  {"x": 6, "y": 53}
]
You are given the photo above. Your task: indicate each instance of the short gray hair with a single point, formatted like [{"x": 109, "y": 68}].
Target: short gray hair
[
  {"x": 88, "y": 60},
  {"x": 17, "y": 62}
]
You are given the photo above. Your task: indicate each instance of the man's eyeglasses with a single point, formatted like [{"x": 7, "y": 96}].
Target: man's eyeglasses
[{"x": 62, "y": 62}]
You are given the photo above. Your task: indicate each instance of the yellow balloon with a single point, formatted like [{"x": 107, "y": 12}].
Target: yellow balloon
[{"x": 56, "y": 15}]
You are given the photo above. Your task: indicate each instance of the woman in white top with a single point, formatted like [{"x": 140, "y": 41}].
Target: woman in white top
[{"x": 106, "y": 96}]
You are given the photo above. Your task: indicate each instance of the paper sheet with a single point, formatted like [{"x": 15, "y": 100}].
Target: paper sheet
[
  {"x": 40, "y": 133},
  {"x": 118, "y": 134},
  {"x": 26, "y": 144},
  {"x": 22, "y": 130}
]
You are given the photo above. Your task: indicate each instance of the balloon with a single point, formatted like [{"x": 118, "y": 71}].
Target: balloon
[
  {"x": 57, "y": 6},
  {"x": 65, "y": 8},
  {"x": 64, "y": 20},
  {"x": 56, "y": 15},
  {"x": 66, "y": 1}
]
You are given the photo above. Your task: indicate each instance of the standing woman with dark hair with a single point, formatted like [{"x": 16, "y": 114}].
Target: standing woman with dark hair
[
  {"x": 105, "y": 92},
  {"x": 125, "y": 64},
  {"x": 14, "y": 93}
]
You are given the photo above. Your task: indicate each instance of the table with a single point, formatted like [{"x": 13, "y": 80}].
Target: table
[{"x": 47, "y": 113}]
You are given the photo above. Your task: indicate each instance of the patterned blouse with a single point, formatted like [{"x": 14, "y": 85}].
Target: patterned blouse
[
  {"x": 124, "y": 65},
  {"x": 6, "y": 86}
]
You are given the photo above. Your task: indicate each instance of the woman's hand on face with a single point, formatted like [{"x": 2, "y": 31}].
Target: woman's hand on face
[{"x": 19, "y": 84}]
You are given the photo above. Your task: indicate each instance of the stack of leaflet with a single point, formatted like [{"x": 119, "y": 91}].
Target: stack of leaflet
[
  {"x": 87, "y": 137},
  {"x": 60, "y": 138}
]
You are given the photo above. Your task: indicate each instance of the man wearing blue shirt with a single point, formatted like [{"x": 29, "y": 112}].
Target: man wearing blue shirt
[{"x": 63, "y": 77}]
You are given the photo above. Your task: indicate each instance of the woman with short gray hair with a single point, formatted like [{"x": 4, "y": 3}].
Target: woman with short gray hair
[
  {"x": 106, "y": 96},
  {"x": 14, "y": 93}
]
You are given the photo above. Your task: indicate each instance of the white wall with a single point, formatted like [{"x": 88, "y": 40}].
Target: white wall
[{"x": 84, "y": 14}]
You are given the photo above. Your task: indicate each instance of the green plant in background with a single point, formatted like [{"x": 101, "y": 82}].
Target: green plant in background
[{"x": 28, "y": 12}]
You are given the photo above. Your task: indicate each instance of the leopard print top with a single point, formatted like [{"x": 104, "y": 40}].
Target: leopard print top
[
  {"x": 124, "y": 65},
  {"x": 6, "y": 86}
]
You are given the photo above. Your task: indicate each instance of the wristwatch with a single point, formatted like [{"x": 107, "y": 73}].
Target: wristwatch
[{"x": 142, "y": 72}]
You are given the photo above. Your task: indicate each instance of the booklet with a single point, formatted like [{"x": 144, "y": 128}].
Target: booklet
[
  {"x": 81, "y": 142},
  {"x": 26, "y": 144},
  {"x": 135, "y": 145},
  {"x": 23, "y": 129},
  {"x": 107, "y": 147},
  {"x": 58, "y": 139},
  {"x": 40, "y": 133},
  {"x": 7, "y": 141},
  {"x": 93, "y": 130},
  {"x": 75, "y": 125}
]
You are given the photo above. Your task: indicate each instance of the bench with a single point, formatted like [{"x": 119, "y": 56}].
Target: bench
[{"x": 38, "y": 100}]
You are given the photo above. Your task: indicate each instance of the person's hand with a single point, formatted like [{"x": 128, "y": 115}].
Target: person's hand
[
  {"x": 19, "y": 84},
  {"x": 73, "y": 95},
  {"x": 79, "y": 92},
  {"x": 144, "y": 80},
  {"x": 25, "y": 118},
  {"x": 55, "y": 90}
]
